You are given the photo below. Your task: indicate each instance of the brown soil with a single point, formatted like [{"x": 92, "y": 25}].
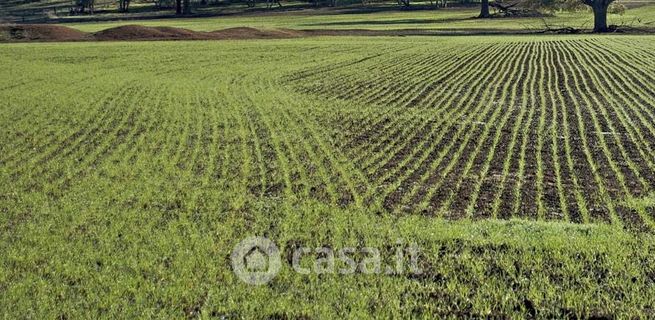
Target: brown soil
[
  {"x": 51, "y": 32},
  {"x": 40, "y": 32},
  {"x": 46, "y": 32},
  {"x": 135, "y": 32}
]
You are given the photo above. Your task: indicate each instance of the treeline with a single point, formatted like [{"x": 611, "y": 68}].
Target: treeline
[{"x": 187, "y": 6}]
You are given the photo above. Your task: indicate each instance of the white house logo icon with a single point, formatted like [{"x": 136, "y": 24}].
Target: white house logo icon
[{"x": 256, "y": 260}]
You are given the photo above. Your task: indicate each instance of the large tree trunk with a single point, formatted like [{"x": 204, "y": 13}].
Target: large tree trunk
[
  {"x": 178, "y": 6},
  {"x": 600, "y": 16},
  {"x": 186, "y": 7},
  {"x": 484, "y": 9},
  {"x": 123, "y": 5}
]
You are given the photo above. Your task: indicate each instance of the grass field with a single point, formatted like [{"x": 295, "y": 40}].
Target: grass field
[
  {"x": 522, "y": 166},
  {"x": 449, "y": 19}
]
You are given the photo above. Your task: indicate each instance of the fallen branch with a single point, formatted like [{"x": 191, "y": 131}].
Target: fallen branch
[
  {"x": 510, "y": 10},
  {"x": 562, "y": 30},
  {"x": 559, "y": 29}
]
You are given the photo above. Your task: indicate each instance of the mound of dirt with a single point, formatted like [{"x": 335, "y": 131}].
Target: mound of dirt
[
  {"x": 135, "y": 32},
  {"x": 40, "y": 32}
]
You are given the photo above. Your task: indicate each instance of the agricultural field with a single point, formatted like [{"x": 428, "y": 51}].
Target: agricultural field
[{"x": 522, "y": 166}]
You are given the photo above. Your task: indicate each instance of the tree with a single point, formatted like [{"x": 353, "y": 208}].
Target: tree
[
  {"x": 600, "y": 13},
  {"x": 123, "y": 5},
  {"x": 182, "y": 6},
  {"x": 81, "y": 5},
  {"x": 186, "y": 6},
  {"x": 159, "y": 4},
  {"x": 484, "y": 9}
]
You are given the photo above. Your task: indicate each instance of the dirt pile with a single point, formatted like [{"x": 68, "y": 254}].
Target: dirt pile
[
  {"x": 135, "y": 32},
  {"x": 45, "y": 32},
  {"x": 41, "y": 32}
]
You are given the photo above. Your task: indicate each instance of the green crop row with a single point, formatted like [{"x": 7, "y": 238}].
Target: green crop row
[{"x": 523, "y": 167}]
